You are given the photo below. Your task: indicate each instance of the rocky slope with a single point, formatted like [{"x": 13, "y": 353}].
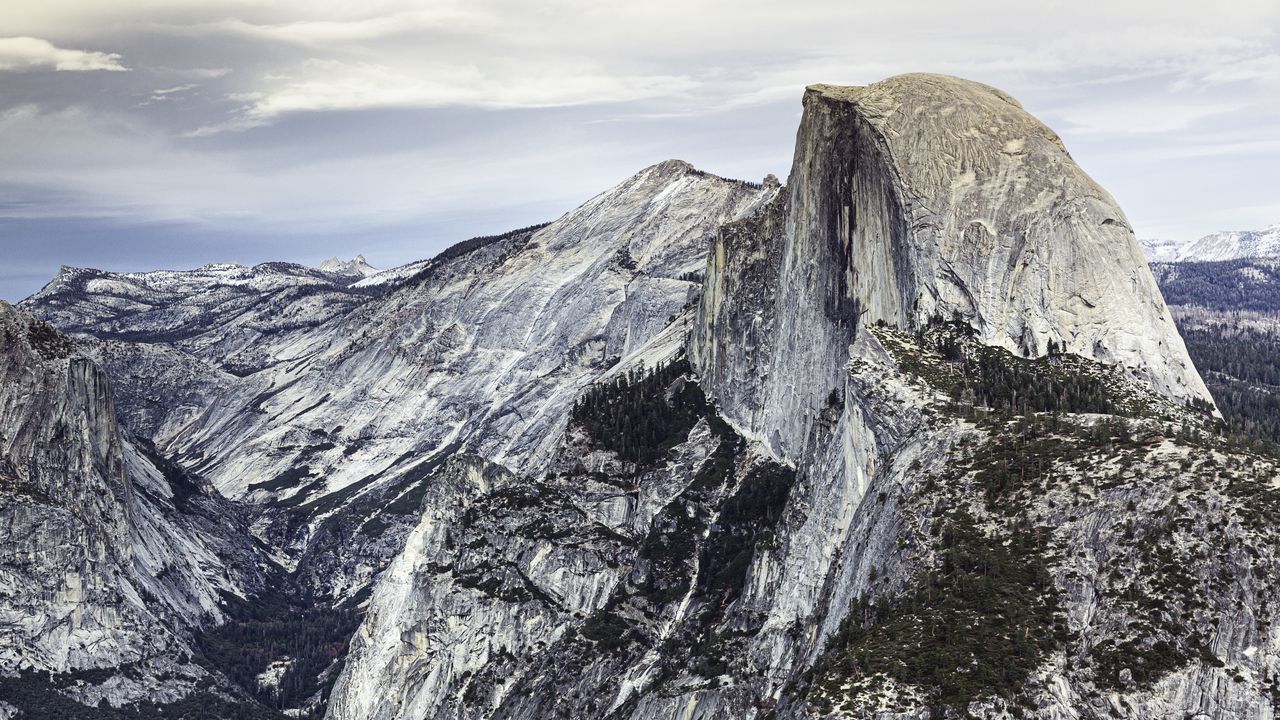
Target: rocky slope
[
  {"x": 911, "y": 437},
  {"x": 112, "y": 558},
  {"x": 360, "y": 397}
]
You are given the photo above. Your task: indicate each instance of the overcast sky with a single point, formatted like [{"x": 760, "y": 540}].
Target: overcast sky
[{"x": 143, "y": 134}]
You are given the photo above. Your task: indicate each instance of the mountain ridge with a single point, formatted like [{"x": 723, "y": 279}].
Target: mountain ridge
[{"x": 1218, "y": 246}]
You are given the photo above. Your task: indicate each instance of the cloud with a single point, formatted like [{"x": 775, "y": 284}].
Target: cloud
[
  {"x": 333, "y": 114},
  {"x": 329, "y": 85},
  {"x": 24, "y": 53},
  {"x": 80, "y": 163},
  {"x": 1265, "y": 68},
  {"x": 1120, "y": 118},
  {"x": 325, "y": 32}
]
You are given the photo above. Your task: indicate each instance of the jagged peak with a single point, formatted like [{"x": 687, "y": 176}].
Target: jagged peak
[{"x": 355, "y": 266}]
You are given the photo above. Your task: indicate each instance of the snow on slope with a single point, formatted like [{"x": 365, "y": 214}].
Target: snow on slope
[
  {"x": 1225, "y": 245},
  {"x": 234, "y": 317},
  {"x": 1233, "y": 245},
  {"x": 1158, "y": 251}
]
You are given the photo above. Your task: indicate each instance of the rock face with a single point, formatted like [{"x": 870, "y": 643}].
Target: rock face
[
  {"x": 912, "y": 437},
  {"x": 487, "y": 350},
  {"x": 919, "y": 197},
  {"x": 329, "y": 407},
  {"x": 108, "y": 560},
  {"x": 958, "y": 228},
  {"x": 926, "y": 195},
  {"x": 51, "y": 398}
]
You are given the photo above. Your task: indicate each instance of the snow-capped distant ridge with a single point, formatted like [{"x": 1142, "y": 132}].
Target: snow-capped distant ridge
[
  {"x": 355, "y": 266},
  {"x": 1233, "y": 245},
  {"x": 219, "y": 313},
  {"x": 264, "y": 276},
  {"x": 1160, "y": 251},
  {"x": 1216, "y": 247}
]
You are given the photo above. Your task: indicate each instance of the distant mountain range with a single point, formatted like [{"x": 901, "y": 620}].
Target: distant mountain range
[{"x": 1225, "y": 245}]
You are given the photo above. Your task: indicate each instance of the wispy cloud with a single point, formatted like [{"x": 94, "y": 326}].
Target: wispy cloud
[
  {"x": 25, "y": 53},
  {"x": 329, "y": 85},
  {"x": 362, "y": 29}
]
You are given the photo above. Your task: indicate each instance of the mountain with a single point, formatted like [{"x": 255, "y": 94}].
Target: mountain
[
  {"x": 1161, "y": 251},
  {"x": 783, "y": 545},
  {"x": 224, "y": 314},
  {"x": 354, "y": 267},
  {"x": 324, "y": 408},
  {"x": 1234, "y": 245},
  {"x": 912, "y": 436},
  {"x": 1219, "y": 246},
  {"x": 112, "y": 557}
]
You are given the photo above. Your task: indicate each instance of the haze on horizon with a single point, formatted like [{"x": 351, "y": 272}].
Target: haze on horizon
[{"x": 171, "y": 134}]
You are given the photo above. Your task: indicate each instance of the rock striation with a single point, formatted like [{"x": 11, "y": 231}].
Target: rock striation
[{"x": 110, "y": 559}]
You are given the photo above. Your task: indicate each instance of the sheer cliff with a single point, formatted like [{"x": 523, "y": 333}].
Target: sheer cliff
[{"x": 926, "y": 196}]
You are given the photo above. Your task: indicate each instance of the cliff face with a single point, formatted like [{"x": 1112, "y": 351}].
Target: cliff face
[
  {"x": 926, "y": 204},
  {"x": 926, "y": 196},
  {"x": 67, "y": 513},
  {"x": 105, "y": 564}
]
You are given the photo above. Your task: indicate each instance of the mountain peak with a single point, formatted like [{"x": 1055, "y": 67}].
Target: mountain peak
[
  {"x": 675, "y": 166},
  {"x": 924, "y": 197},
  {"x": 354, "y": 266}
]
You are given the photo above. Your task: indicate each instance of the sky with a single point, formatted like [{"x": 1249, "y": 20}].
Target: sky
[{"x": 172, "y": 133}]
